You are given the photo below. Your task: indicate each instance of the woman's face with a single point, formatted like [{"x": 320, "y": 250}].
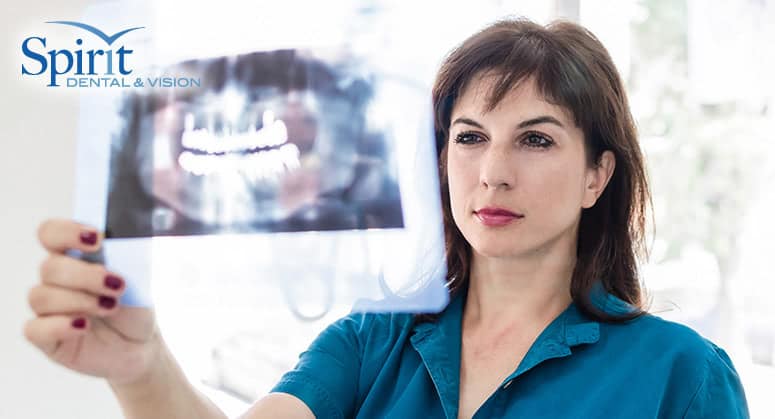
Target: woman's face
[{"x": 526, "y": 156}]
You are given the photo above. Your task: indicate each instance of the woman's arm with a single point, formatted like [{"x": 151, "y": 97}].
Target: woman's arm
[
  {"x": 279, "y": 405},
  {"x": 79, "y": 324},
  {"x": 164, "y": 393}
]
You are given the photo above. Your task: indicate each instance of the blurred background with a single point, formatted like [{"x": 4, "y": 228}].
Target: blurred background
[{"x": 699, "y": 75}]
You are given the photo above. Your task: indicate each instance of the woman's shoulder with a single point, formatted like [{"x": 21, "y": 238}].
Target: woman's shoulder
[
  {"x": 658, "y": 332},
  {"x": 650, "y": 335},
  {"x": 688, "y": 366},
  {"x": 380, "y": 323},
  {"x": 690, "y": 357},
  {"x": 656, "y": 335},
  {"x": 369, "y": 330}
]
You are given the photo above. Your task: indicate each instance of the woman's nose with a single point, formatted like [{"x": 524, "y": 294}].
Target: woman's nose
[{"x": 497, "y": 170}]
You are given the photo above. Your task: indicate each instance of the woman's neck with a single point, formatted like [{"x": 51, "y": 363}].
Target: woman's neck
[{"x": 504, "y": 291}]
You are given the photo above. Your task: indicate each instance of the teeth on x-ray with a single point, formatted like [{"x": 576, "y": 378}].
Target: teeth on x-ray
[
  {"x": 261, "y": 163},
  {"x": 273, "y": 133},
  {"x": 272, "y": 141}
]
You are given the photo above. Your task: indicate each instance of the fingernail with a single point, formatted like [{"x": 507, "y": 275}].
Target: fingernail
[
  {"x": 79, "y": 323},
  {"x": 88, "y": 238},
  {"x": 107, "y": 302},
  {"x": 113, "y": 282}
]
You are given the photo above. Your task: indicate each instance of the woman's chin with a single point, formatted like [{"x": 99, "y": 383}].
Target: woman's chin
[{"x": 497, "y": 251}]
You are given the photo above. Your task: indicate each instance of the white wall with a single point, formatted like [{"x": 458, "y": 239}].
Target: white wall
[{"x": 36, "y": 178}]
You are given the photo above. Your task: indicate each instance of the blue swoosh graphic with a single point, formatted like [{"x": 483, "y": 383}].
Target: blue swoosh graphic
[{"x": 108, "y": 39}]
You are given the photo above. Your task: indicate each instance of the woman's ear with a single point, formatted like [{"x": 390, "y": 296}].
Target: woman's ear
[{"x": 597, "y": 178}]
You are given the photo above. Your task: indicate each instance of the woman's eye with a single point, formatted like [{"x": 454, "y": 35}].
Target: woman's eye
[
  {"x": 467, "y": 138},
  {"x": 537, "y": 140}
]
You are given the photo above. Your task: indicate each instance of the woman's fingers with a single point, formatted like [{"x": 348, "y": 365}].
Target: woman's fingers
[
  {"x": 47, "y": 332},
  {"x": 47, "y": 300},
  {"x": 66, "y": 272},
  {"x": 58, "y": 235}
]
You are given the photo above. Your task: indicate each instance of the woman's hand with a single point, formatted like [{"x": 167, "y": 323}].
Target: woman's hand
[
  {"x": 80, "y": 325},
  {"x": 79, "y": 322}
]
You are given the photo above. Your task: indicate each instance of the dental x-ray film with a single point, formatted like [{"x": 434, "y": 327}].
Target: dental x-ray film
[
  {"x": 278, "y": 141},
  {"x": 308, "y": 170}
]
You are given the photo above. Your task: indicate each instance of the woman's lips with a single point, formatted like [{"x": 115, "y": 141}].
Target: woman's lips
[{"x": 496, "y": 217}]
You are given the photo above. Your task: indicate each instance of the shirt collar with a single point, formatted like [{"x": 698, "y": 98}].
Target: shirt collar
[
  {"x": 570, "y": 328},
  {"x": 438, "y": 343}
]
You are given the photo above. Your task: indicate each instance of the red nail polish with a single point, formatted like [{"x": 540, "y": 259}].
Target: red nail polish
[
  {"x": 79, "y": 323},
  {"x": 107, "y": 302},
  {"x": 88, "y": 238},
  {"x": 113, "y": 282}
]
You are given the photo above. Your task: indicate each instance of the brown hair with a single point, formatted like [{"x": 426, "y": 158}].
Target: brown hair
[{"x": 573, "y": 70}]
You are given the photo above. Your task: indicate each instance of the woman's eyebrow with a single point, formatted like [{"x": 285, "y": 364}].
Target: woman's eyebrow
[
  {"x": 467, "y": 121},
  {"x": 543, "y": 119}
]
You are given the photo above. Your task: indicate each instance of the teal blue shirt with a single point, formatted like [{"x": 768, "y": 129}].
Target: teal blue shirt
[{"x": 386, "y": 365}]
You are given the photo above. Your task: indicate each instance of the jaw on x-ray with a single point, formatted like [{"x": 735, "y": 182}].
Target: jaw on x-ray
[
  {"x": 271, "y": 142},
  {"x": 290, "y": 167}
]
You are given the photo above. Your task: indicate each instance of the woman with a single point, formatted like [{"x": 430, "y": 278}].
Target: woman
[{"x": 544, "y": 195}]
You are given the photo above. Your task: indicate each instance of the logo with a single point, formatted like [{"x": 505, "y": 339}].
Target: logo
[{"x": 108, "y": 66}]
